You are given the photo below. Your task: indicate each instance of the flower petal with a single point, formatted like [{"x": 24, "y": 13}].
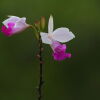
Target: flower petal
[
  {"x": 21, "y": 23},
  {"x": 50, "y": 24},
  {"x": 10, "y": 19},
  {"x": 63, "y": 35},
  {"x": 45, "y": 38},
  {"x": 59, "y": 51}
]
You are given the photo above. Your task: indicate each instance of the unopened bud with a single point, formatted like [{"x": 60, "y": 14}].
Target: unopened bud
[
  {"x": 37, "y": 24},
  {"x": 43, "y": 22},
  {"x": 42, "y": 49},
  {"x": 38, "y": 56},
  {"x": 41, "y": 62}
]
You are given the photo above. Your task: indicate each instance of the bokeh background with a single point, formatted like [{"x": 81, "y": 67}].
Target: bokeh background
[{"x": 77, "y": 78}]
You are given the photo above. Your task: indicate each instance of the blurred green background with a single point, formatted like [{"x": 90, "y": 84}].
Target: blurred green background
[{"x": 77, "y": 78}]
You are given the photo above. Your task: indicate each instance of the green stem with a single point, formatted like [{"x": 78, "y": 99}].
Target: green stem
[{"x": 36, "y": 31}]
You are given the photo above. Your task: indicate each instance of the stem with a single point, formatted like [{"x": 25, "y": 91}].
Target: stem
[
  {"x": 37, "y": 33},
  {"x": 41, "y": 69}
]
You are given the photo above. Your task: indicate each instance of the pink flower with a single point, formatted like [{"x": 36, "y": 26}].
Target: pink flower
[
  {"x": 59, "y": 51},
  {"x": 14, "y": 25}
]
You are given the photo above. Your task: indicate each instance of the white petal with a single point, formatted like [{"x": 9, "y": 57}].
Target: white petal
[
  {"x": 23, "y": 19},
  {"x": 50, "y": 24},
  {"x": 10, "y": 19},
  {"x": 45, "y": 39},
  {"x": 21, "y": 23},
  {"x": 63, "y": 35}
]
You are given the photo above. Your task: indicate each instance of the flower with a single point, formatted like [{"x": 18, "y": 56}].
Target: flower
[
  {"x": 61, "y": 34},
  {"x": 53, "y": 38},
  {"x": 14, "y": 25},
  {"x": 59, "y": 51}
]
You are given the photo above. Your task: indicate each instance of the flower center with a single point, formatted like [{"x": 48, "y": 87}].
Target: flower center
[{"x": 50, "y": 36}]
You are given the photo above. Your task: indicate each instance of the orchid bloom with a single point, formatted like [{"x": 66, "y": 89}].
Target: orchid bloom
[
  {"x": 55, "y": 37},
  {"x": 14, "y": 25}
]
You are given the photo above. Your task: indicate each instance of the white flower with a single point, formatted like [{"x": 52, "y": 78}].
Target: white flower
[{"x": 61, "y": 34}]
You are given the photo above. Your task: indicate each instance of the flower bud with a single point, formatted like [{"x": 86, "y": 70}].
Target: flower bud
[
  {"x": 43, "y": 22},
  {"x": 37, "y": 24}
]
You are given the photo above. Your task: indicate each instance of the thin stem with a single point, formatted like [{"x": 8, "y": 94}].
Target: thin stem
[
  {"x": 41, "y": 70},
  {"x": 37, "y": 33}
]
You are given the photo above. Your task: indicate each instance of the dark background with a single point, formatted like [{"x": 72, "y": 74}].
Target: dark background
[{"x": 77, "y": 78}]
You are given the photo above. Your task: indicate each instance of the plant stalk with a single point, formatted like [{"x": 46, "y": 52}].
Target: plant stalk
[{"x": 40, "y": 69}]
